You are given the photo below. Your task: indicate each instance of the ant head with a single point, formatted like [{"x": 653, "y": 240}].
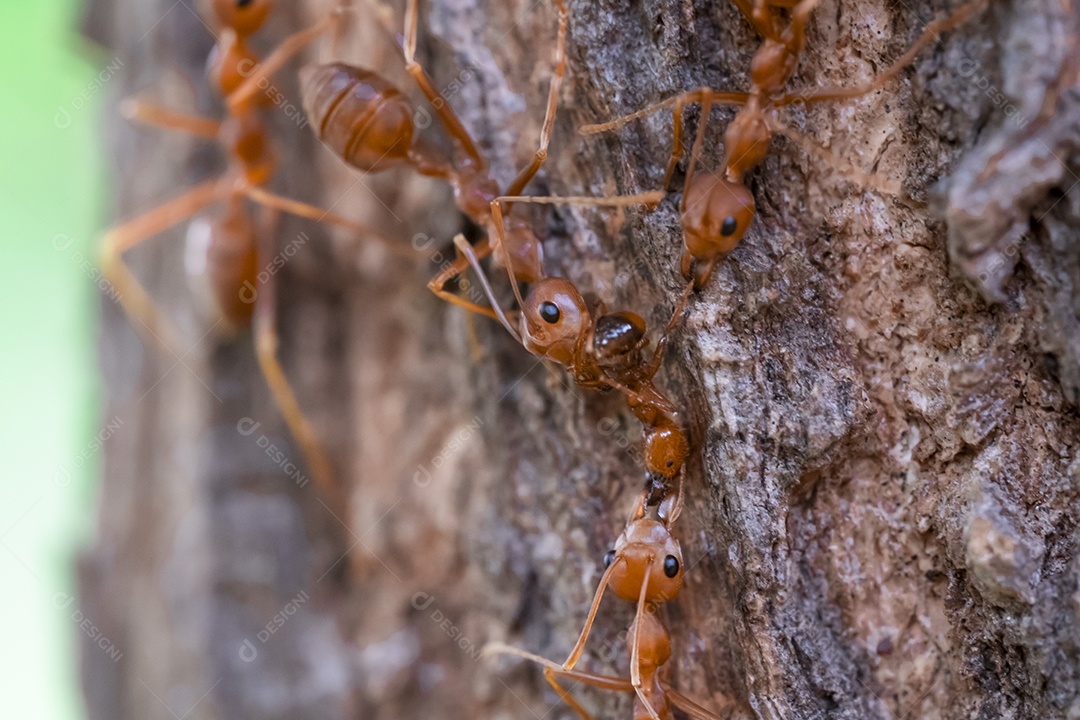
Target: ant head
[
  {"x": 666, "y": 449},
  {"x": 243, "y": 16},
  {"x": 716, "y": 216},
  {"x": 646, "y": 549},
  {"x": 554, "y": 319}
]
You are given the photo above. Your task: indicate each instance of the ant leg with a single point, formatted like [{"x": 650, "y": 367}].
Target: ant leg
[
  {"x": 302, "y": 209},
  {"x": 635, "y": 652},
  {"x": 800, "y": 14},
  {"x": 466, "y": 250},
  {"x": 579, "y": 646},
  {"x": 565, "y": 695},
  {"x": 715, "y": 96},
  {"x": 688, "y": 706},
  {"x": 337, "y": 34},
  {"x": 455, "y": 269},
  {"x": 699, "y": 142},
  {"x": 442, "y": 107},
  {"x": 283, "y": 53},
  {"x": 661, "y": 344},
  {"x": 758, "y": 16},
  {"x": 527, "y": 174},
  {"x": 266, "y": 348},
  {"x": 553, "y": 671},
  {"x": 149, "y": 114},
  {"x": 132, "y": 295},
  {"x": 500, "y": 234},
  {"x": 815, "y": 148},
  {"x": 604, "y": 682},
  {"x": 636, "y": 398},
  {"x": 929, "y": 35},
  {"x": 647, "y": 198},
  {"x": 677, "y": 147}
]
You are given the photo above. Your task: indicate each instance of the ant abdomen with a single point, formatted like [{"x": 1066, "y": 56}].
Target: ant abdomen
[
  {"x": 618, "y": 334},
  {"x": 363, "y": 118},
  {"x": 222, "y": 262}
]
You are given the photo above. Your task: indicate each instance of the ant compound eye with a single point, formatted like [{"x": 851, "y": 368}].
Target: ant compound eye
[
  {"x": 609, "y": 558},
  {"x": 549, "y": 311},
  {"x": 671, "y": 566},
  {"x": 729, "y": 227}
]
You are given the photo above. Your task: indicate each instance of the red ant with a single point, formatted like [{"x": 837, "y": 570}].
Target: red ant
[
  {"x": 602, "y": 353},
  {"x": 715, "y": 213},
  {"x": 368, "y": 122},
  {"x": 233, "y": 242},
  {"x": 646, "y": 568}
]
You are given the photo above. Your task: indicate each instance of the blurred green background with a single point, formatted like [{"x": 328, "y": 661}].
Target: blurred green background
[{"x": 51, "y": 213}]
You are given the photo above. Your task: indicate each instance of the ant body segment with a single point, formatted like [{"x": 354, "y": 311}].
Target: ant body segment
[
  {"x": 608, "y": 351},
  {"x": 645, "y": 568},
  {"x": 229, "y": 244},
  {"x": 715, "y": 212}
]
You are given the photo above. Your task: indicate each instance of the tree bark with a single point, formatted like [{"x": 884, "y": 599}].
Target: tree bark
[{"x": 880, "y": 385}]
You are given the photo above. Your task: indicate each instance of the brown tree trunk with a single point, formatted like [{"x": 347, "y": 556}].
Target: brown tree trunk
[{"x": 880, "y": 385}]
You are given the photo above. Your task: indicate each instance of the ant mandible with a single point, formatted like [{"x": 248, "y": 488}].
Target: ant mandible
[
  {"x": 230, "y": 245},
  {"x": 646, "y": 568},
  {"x": 715, "y": 213}
]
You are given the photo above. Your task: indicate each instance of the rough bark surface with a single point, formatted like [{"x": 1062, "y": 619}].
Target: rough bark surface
[{"x": 880, "y": 385}]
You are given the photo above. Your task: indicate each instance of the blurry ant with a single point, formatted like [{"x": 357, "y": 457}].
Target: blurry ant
[
  {"x": 715, "y": 213},
  {"x": 229, "y": 245},
  {"x": 602, "y": 353},
  {"x": 645, "y": 567}
]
